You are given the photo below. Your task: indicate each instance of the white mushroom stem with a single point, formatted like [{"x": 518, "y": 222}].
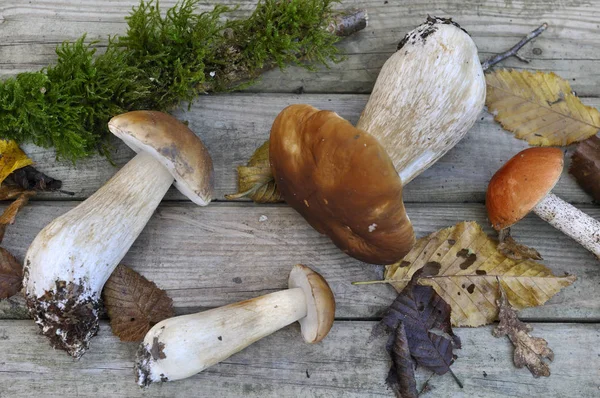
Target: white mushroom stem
[
  {"x": 71, "y": 259},
  {"x": 180, "y": 347},
  {"x": 570, "y": 221}
]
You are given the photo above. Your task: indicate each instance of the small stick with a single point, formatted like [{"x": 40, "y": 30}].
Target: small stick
[
  {"x": 513, "y": 51},
  {"x": 348, "y": 22}
]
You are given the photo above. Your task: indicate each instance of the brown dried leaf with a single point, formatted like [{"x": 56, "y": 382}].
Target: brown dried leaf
[
  {"x": 539, "y": 107},
  {"x": 11, "y": 274},
  {"x": 255, "y": 180},
  {"x": 463, "y": 264},
  {"x": 517, "y": 251},
  {"x": 401, "y": 377},
  {"x": 10, "y": 191},
  {"x": 10, "y": 213},
  {"x": 529, "y": 351},
  {"x": 585, "y": 166},
  {"x": 11, "y": 158},
  {"x": 134, "y": 304}
]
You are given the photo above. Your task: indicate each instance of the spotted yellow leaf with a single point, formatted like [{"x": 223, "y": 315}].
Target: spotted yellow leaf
[
  {"x": 539, "y": 107},
  {"x": 463, "y": 264},
  {"x": 11, "y": 158}
]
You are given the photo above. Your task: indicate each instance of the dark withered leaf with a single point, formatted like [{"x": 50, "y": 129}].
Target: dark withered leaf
[
  {"x": 585, "y": 166},
  {"x": 30, "y": 178},
  {"x": 517, "y": 251},
  {"x": 426, "y": 319},
  {"x": 10, "y": 213},
  {"x": 255, "y": 180},
  {"x": 529, "y": 351},
  {"x": 11, "y": 274},
  {"x": 401, "y": 377},
  {"x": 134, "y": 304}
]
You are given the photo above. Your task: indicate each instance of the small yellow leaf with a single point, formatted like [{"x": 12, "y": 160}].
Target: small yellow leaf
[
  {"x": 463, "y": 265},
  {"x": 539, "y": 108},
  {"x": 11, "y": 158},
  {"x": 255, "y": 180}
]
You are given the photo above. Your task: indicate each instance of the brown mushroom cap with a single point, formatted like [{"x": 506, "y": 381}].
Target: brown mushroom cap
[
  {"x": 341, "y": 180},
  {"x": 174, "y": 145},
  {"x": 519, "y": 185},
  {"x": 320, "y": 303}
]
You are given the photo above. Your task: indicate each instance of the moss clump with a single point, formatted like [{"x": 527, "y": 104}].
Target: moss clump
[{"x": 162, "y": 60}]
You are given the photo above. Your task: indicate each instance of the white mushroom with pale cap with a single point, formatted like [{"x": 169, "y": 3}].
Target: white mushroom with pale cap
[
  {"x": 182, "y": 346},
  {"x": 71, "y": 259},
  {"x": 524, "y": 183}
]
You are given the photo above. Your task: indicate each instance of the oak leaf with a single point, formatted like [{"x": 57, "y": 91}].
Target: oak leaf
[
  {"x": 585, "y": 166},
  {"x": 529, "y": 351},
  {"x": 11, "y": 158},
  {"x": 539, "y": 107},
  {"x": 463, "y": 264},
  {"x": 255, "y": 180},
  {"x": 134, "y": 304},
  {"x": 11, "y": 274}
]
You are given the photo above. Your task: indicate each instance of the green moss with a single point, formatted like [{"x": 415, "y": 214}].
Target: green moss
[{"x": 161, "y": 61}]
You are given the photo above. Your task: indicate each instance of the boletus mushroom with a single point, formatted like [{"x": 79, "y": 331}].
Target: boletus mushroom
[
  {"x": 341, "y": 180},
  {"x": 428, "y": 94},
  {"x": 525, "y": 183},
  {"x": 182, "y": 346},
  {"x": 70, "y": 260}
]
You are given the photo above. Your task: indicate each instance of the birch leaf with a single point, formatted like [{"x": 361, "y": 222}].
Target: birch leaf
[
  {"x": 463, "y": 264},
  {"x": 539, "y": 108},
  {"x": 255, "y": 180},
  {"x": 11, "y": 158},
  {"x": 134, "y": 304}
]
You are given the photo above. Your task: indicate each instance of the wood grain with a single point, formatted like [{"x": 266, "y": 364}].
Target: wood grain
[
  {"x": 233, "y": 126},
  {"x": 281, "y": 365},
  {"x": 31, "y": 30},
  {"x": 216, "y": 255}
]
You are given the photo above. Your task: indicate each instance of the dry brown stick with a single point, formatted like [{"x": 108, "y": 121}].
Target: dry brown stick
[{"x": 513, "y": 52}]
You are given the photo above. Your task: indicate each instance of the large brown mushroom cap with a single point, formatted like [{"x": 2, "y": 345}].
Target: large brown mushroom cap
[
  {"x": 341, "y": 180},
  {"x": 519, "y": 185},
  {"x": 174, "y": 145}
]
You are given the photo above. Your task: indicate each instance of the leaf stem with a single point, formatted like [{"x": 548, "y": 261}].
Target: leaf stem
[
  {"x": 376, "y": 282},
  {"x": 460, "y": 383},
  {"x": 514, "y": 50}
]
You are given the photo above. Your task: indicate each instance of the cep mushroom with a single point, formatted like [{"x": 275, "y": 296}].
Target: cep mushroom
[
  {"x": 524, "y": 183},
  {"x": 182, "y": 346},
  {"x": 70, "y": 260},
  {"x": 427, "y": 96},
  {"x": 341, "y": 180}
]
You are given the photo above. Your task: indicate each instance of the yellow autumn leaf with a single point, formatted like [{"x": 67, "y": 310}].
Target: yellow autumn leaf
[
  {"x": 11, "y": 158},
  {"x": 539, "y": 108},
  {"x": 463, "y": 265},
  {"x": 255, "y": 180}
]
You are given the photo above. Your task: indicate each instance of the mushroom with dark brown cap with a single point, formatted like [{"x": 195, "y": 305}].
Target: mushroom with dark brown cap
[
  {"x": 182, "y": 346},
  {"x": 524, "y": 183},
  {"x": 70, "y": 260},
  {"x": 341, "y": 180}
]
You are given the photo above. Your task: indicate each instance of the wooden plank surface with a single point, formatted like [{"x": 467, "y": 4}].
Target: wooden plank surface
[
  {"x": 31, "y": 30},
  {"x": 342, "y": 365},
  {"x": 216, "y": 255},
  {"x": 233, "y": 126}
]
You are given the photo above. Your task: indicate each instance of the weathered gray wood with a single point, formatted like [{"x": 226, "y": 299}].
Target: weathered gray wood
[
  {"x": 216, "y": 255},
  {"x": 281, "y": 365},
  {"x": 233, "y": 126},
  {"x": 31, "y": 30}
]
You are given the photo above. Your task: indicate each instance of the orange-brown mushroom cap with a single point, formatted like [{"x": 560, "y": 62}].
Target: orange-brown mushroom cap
[
  {"x": 519, "y": 185},
  {"x": 341, "y": 180}
]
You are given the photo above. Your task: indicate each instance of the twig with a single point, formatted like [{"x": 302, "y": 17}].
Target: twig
[
  {"x": 348, "y": 22},
  {"x": 513, "y": 51}
]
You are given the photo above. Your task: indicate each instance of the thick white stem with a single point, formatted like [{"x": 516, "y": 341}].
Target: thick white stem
[
  {"x": 69, "y": 261},
  {"x": 180, "y": 347},
  {"x": 570, "y": 221}
]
